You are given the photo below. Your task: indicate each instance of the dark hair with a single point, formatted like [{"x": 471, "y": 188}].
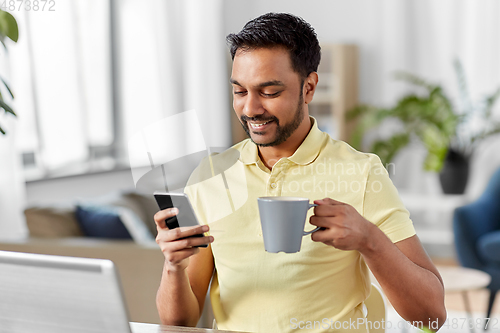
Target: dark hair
[{"x": 280, "y": 29}]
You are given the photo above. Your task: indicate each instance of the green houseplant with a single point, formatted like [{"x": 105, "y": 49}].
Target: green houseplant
[
  {"x": 8, "y": 29},
  {"x": 450, "y": 133}
]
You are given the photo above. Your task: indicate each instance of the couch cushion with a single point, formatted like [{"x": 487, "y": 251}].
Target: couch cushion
[
  {"x": 148, "y": 206},
  {"x": 488, "y": 247},
  {"x": 45, "y": 222},
  {"x": 101, "y": 222},
  {"x": 135, "y": 226},
  {"x": 143, "y": 206}
]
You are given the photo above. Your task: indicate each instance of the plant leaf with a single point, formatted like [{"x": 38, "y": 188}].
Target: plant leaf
[
  {"x": 434, "y": 161},
  {"x": 357, "y": 111},
  {"x": 7, "y": 108},
  {"x": 490, "y": 102},
  {"x": 437, "y": 144},
  {"x": 495, "y": 129},
  {"x": 370, "y": 118},
  {"x": 8, "y": 88},
  {"x": 2, "y": 131},
  {"x": 462, "y": 88},
  {"x": 356, "y": 139},
  {"x": 387, "y": 149},
  {"x": 431, "y": 117},
  {"x": 8, "y": 26}
]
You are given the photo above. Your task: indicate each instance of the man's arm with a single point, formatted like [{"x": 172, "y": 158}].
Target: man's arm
[
  {"x": 186, "y": 272},
  {"x": 408, "y": 277}
]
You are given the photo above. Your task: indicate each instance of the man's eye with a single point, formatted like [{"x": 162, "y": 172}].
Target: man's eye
[
  {"x": 239, "y": 92},
  {"x": 271, "y": 95}
]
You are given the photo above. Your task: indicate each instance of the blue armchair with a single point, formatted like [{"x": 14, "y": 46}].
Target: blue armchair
[{"x": 476, "y": 227}]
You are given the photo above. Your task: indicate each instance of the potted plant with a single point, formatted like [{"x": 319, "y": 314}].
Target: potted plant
[
  {"x": 8, "y": 29},
  {"x": 449, "y": 133}
]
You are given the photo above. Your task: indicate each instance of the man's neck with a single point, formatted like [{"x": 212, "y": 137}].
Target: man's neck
[{"x": 271, "y": 155}]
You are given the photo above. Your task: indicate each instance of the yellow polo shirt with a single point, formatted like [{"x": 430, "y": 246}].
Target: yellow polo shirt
[{"x": 320, "y": 288}]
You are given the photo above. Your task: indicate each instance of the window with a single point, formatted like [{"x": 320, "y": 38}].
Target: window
[
  {"x": 93, "y": 73},
  {"x": 61, "y": 73}
]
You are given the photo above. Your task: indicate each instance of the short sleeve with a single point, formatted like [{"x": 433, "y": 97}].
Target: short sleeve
[{"x": 382, "y": 205}]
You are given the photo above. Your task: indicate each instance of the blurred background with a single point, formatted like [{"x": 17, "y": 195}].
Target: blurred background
[{"x": 89, "y": 75}]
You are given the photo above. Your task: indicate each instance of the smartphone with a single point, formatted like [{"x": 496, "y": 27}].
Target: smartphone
[{"x": 186, "y": 216}]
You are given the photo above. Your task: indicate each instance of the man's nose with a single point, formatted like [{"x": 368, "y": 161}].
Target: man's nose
[{"x": 253, "y": 106}]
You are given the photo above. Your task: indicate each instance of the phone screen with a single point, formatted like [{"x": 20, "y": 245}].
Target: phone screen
[{"x": 186, "y": 216}]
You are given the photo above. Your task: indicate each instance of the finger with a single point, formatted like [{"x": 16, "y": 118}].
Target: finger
[
  {"x": 322, "y": 235},
  {"x": 328, "y": 201},
  {"x": 318, "y": 221},
  {"x": 329, "y": 210},
  {"x": 172, "y": 235},
  {"x": 178, "y": 233},
  {"x": 189, "y": 242},
  {"x": 164, "y": 214},
  {"x": 327, "y": 236},
  {"x": 177, "y": 256},
  {"x": 325, "y": 222},
  {"x": 168, "y": 246}
]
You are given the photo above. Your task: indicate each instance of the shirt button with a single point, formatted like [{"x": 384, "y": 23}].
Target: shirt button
[{"x": 273, "y": 185}]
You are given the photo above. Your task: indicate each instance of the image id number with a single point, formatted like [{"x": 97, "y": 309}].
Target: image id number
[
  {"x": 477, "y": 324},
  {"x": 28, "y": 5}
]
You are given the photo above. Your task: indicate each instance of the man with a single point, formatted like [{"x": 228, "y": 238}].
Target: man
[{"x": 275, "y": 59}]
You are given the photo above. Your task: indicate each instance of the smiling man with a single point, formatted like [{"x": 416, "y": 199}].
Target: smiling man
[
  {"x": 271, "y": 112},
  {"x": 364, "y": 224},
  {"x": 266, "y": 129}
]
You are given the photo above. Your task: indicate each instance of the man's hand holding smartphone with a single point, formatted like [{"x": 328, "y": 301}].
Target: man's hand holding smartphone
[{"x": 179, "y": 243}]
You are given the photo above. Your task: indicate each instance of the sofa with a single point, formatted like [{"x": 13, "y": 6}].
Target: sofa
[{"x": 88, "y": 229}]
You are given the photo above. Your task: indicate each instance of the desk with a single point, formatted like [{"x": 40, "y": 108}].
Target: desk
[
  {"x": 461, "y": 279},
  {"x": 153, "y": 328}
]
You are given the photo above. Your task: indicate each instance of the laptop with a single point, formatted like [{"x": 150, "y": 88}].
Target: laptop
[{"x": 46, "y": 293}]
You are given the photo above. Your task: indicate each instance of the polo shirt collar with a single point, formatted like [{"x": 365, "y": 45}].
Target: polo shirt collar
[{"x": 305, "y": 154}]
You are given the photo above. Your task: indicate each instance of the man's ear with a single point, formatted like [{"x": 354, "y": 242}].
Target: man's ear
[{"x": 309, "y": 88}]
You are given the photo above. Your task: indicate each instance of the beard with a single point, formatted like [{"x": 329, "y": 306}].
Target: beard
[{"x": 283, "y": 132}]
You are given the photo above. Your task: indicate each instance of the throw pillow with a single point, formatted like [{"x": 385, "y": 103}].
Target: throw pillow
[
  {"x": 135, "y": 226},
  {"x": 101, "y": 222}
]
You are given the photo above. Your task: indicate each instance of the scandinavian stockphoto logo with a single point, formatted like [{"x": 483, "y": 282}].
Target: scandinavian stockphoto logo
[
  {"x": 329, "y": 177},
  {"x": 163, "y": 155}
]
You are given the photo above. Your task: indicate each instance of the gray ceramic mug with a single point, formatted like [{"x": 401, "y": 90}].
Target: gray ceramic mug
[{"x": 282, "y": 220}]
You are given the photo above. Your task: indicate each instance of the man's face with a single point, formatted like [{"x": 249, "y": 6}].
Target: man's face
[{"x": 267, "y": 95}]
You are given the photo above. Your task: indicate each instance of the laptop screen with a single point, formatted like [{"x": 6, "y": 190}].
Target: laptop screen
[{"x": 45, "y": 293}]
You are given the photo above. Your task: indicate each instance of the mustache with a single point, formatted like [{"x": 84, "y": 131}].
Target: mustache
[{"x": 245, "y": 119}]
